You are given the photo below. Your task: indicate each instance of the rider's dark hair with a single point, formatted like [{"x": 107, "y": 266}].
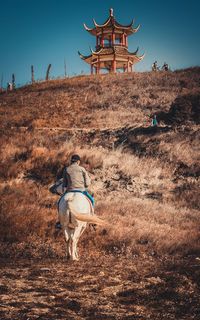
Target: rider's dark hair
[{"x": 75, "y": 158}]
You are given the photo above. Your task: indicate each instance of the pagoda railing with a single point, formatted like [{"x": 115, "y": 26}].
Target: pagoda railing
[{"x": 107, "y": 45}]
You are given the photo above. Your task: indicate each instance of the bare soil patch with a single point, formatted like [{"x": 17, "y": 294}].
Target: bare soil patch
[{"x": 107, "y": 287}]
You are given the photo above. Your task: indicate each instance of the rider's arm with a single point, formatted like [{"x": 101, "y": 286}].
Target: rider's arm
[
  {"x": 64, "y": 185},
  {"x": 87, "y": 179}
]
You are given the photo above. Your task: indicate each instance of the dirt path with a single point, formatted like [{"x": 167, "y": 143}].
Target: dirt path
[
  {"x": 71, "y": 129},
  {"x": 100, "y": 288}
]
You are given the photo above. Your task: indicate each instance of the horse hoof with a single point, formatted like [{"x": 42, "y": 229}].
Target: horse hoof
[{"x": 75, "y": 259}]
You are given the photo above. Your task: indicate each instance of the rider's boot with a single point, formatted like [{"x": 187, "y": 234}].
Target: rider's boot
[{"x": 58, "y": 225}]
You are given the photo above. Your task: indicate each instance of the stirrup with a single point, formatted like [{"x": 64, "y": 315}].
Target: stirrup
[{"x": 58, "y": 225}]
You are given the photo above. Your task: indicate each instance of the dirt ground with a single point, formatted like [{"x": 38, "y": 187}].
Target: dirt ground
[{"x": 105, "y": 287}]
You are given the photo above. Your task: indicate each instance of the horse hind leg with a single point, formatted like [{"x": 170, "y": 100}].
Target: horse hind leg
[
  {"x": 77, "y": 239},
  {"x": 68, "y": 245},
  {"x": 75, "y": 249},
  {"x": 74, "y": 255},
  {"x": 78, "y": 232}
]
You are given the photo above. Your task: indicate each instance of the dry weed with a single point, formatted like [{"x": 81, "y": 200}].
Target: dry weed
[{"x": 145, "y": 193}]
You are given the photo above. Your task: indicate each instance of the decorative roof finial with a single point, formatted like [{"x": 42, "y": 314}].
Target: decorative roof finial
[{"x": 111, "y": 12}]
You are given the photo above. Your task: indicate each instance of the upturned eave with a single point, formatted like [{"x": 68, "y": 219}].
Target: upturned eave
[{"x": 111, "y": 23}]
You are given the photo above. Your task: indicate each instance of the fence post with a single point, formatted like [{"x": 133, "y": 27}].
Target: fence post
[
  {"x": 65, "y": 67},
  {"x": 13, "y": 81},
  {"x": 47, "y": 73},
  {"x": 32, "y": 74}
]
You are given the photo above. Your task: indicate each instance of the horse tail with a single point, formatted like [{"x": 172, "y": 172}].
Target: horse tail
[{"x": 86, "y": 218}]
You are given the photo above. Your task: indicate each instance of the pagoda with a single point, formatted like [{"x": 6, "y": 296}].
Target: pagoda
[{"x": 111, "y": 52}]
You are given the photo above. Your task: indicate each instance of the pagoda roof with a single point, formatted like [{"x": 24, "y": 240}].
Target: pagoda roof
[
  {"x": 118, "y": 51},
  {"x": 112, "y": 23}
]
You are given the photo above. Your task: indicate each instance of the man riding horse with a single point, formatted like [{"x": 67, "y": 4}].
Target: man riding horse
[
  {"x": 75, "y": 210},
  {"x": 76, "y": 179}
]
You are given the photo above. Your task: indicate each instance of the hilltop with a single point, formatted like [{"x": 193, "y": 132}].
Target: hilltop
[
  {"x": 104, "y": 101},
  {"x": 145, "y": 179}
]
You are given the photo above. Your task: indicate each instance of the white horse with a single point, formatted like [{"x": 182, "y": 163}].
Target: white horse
[{"x": 75, "y": 211}]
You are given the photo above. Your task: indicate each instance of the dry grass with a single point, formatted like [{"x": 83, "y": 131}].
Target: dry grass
[
  {"x": 100, "y": 101},
  {"x": 184, "y": 149},
  {"x": 147, "y": 187},
  {"x": 121, "y": 179},
  {"x": 163, "y": 228}
]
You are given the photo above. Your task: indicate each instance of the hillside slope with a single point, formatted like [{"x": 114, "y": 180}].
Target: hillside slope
[
  {"x": 107, "y": 120},
  {"x": 104, "y": 101},
  {"x": 145, "y": 264}
]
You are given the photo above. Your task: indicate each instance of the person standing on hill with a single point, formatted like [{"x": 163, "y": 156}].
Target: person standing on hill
[
  {"x": 9, "y": 86},
  {"x": 155, "y": 66},
  {"x": 76, "y": 179},
  {"x": 165, "y": 67},
  {"x": 154, "y": 122}
]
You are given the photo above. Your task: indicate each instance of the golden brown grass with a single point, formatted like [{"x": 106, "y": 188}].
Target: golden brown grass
[
  {"x": 99, "y": 101},
  {"x": 185, "y": 148},
  {"x": 122, "y": 183},
  {"x": 162, "y": 227},
  {"x": 145, "y": 183}
]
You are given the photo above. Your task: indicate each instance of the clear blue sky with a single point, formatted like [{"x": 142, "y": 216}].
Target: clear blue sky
[{"x": 40, "y": 32}]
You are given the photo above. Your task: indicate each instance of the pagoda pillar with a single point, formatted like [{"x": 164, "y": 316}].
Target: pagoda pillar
[
  {"x": 102, "y": 40},
  {"x": 98, "y": 66},
  {"x": 110, "y": 40},
  {"x": 123, "y": 39},
  {"x": 126, "y": 41},
  {"x": 92, "y": 69},
  {"x": 113, "y": 38},
  {"x": 97, "y": 41},
  {"x": 114, "y": 64},
  {"x": 128, "y": 65}
]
